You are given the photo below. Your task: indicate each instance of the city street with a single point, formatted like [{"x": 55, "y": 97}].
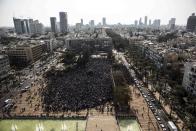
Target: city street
[{"x": 159, "y": 114}]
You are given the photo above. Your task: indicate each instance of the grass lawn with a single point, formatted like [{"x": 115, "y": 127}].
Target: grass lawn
[
  {"x": 48, "y": 125},
  {"x": 126, "y": 124}
]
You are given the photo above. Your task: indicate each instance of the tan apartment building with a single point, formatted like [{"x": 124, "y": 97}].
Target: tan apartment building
[{"x": 22, "y": 55}]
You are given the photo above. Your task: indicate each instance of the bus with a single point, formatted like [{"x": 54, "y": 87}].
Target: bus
[{"x": 172, "y": 126}]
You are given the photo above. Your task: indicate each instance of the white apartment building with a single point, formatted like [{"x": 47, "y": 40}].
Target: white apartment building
[
  {"x": 189, "y": 79},
  {"x": 36, "y": 27}
]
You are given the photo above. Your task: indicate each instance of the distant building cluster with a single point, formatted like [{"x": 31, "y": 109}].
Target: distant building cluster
[
  {"x": 28, "y": 26},
  {"x": 156, "y": 23},
  {"x": 91, "y": 25}
]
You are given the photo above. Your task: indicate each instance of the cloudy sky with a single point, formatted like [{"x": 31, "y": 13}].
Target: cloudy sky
[{"x": 123, "y": 11}]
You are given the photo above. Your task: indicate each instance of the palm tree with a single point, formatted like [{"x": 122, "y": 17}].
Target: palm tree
[
  {"x": 159, "y": 90},
  {"x": 18, "y": 73},
  {"x": 171, "y": 101}
]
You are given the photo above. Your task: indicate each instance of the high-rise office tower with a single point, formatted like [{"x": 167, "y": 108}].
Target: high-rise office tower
[
  {"x": 157, "y": 23},
  {"x": 172, "y": 23},
  {"x": 92, "y": 23},
  {"x": 53, "y": 24},
  {"x": 30, "y": 21},
  {"x": 24, "y": 28},
  {"x": 136, "y": 22},
  {"x": 104, "y": 21},
  {"x": 58, "y": 26},
  {"x": 81, "y": 22},
  {"x": 140, "y": 21},
  {"x": 33, "y": 28},
  {"x": 150, "y": 23},
  {"x": 17, "y": 25},
  {"x": 63, "y": 22},
  {"x": 191, "y": 23},
  {"x": 38, "y": 26},
  {"x": 146, "y": 20},
  {"x": 27, "y": 25}
]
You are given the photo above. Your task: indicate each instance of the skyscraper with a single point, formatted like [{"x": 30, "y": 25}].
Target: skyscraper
[
  {"x": 36, "y": 27},
  {"x": 24, "y": 28},
  {"x": 53, "y": 24},
  {"x": 150, "y": 22},
  {"x": 146, "y": 20},
  {"x": 92, "y": 23},
  {"x": 104, "y": 21},
  {"x": 30, "y": 21},
  {"x": 63, "y": 22},
  {"x": 191, "y": 23},
  {"x": 140, "y": 21},
  {"x": 17, "y": 25},
  {"x": 81, "y": 22},
  {"x": 58, "y": 26},
  {"x": 32, "y": 26},
  {"x": 157, "y": 23},
  {"x": 27, "y": 25},
  {"x": 172, "y": 23},
  {"x": 136, "y": 22}
]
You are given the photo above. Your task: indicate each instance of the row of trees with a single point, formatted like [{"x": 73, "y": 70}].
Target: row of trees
[
  {"x": 119, "y": 43},
  {"x": 162, "y": 79},
  {"x": 121, "y": 91}
]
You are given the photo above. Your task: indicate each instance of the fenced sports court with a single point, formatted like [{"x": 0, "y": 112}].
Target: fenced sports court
[
  {"x": 42, "y": 125},
  {"x": 129, "y": 125}
]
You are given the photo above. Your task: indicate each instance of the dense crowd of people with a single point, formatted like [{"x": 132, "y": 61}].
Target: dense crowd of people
[{"x": 81, "y": 88}]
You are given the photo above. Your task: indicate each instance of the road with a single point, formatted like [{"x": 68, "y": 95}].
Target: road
[{"x": 159, "y": 114}]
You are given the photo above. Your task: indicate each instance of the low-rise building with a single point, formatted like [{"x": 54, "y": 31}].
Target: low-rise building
[
  {"x": 100, "y": 44},
  {"x": 4, "y": 66},
  {"x": 96, "y": 41}
]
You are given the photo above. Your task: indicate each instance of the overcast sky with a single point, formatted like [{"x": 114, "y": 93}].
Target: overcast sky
[{"x": 123, "y": 11}]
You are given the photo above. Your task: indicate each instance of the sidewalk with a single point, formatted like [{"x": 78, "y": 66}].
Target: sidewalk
[{"x": 144, "y": 114}]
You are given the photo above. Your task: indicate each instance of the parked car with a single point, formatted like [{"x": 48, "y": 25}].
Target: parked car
[
  {"x": 25, "y": 89},
  {"x": 8, "y": 101}
]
